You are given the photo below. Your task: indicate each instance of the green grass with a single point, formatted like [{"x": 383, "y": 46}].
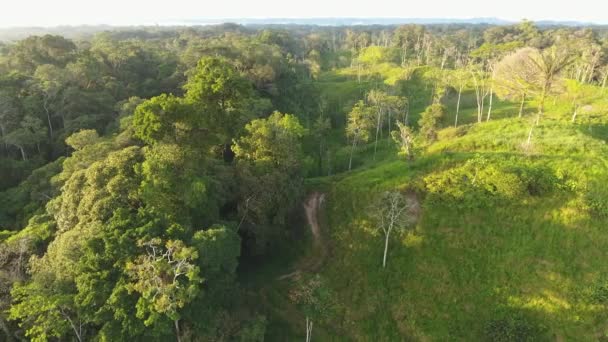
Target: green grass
[
  {"x": 460, "y": 268},
  {"x": 526, "y": 243}
]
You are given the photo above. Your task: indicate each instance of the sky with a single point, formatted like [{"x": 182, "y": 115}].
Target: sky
[{"x": 135, "y": 12}]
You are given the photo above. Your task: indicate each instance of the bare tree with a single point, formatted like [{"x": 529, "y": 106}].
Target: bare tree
[
  {"x": 459, "y": 79},
  {"x": 514, "y": 77},
  {"x": 480, "y": 82},
  {"x": 393, "y": 211},
  {"x": 547, "y": 64}
]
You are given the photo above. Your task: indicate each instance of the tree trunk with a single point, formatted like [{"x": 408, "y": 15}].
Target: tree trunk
[
  {"x": 458, "y": 106},
  {"x": 320, "y": 156},
  {"x": 77, "y": 332},
  {"x": 352, "y": 150},
  {"x": 177, "y": 332},
  {"x": 575, "y": 112},
  {"x": 521, "y": 106},
  {"x": 389, "y": 125},
  {"x": 22, "y": 152},
  {"x": 541, "y": 104},
  {"x": 385, "y": 248},
  {"x": 604, "y": 81},
  {"x": 490, "y": 106},
  {"x": 530, "y": 137},
  {"x": 308, "y": 329},
  {"x": 483, "y": 100},
  {"x": 2, "y": 139},
  {"x": 48, "y": 117},
  {"x": 6, "y": 330},
  {"x": 379, "y": 115}
]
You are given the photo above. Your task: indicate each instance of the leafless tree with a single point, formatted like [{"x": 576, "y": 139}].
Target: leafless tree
[{"x": 393, "y": 211}]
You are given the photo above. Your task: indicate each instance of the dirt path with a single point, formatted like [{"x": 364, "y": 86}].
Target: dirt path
[{"x": 312, "y": 206}]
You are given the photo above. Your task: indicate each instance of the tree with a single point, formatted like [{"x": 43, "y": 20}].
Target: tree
[
  {"x": 378, "y": 100},
  {"x": 604, "y": 76},
  {"x": 580, "y": 94},
  {"x": 83, "y": 138},
  {"x": 429, "y": 121},
  {"x": 49, "y": 82},
  {"x": 220, "y": 96},
  {"x": 269, "y": 173},
  {"x": 392, "y": 211},
  {"x": 514, "y": 77},
  {"x": 156, "y": 119},
  {"x": 9, "y": 114},
  {"x": 530, "y": 70},
  {"x": 459, "y": 77},
  {"x": 547, "y": 64},
  {"x": 480, "y": 81},
  {"x": 315, "y": 300},
  {"x": 359, "y": 124},
  {"x": 30, "y": 132},
  {"x": 320, "y": 130},
  {"x": 167, "y": 279},
  {"x": 405, "y": 138}
]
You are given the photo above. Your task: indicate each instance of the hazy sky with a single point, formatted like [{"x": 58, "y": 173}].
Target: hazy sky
[{"x": 74, "y": 12}]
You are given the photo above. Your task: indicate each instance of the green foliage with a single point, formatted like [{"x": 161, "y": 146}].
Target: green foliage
[
  {"x": 513, "y": 326},
  {"x": 430, "y": 121},
  {"x": 219, "y": 94},
  {"x": 255, "y": 330},
  {"x": 314, "y": 298},
  {"x": 373, "y": 55},
  {"x": 599, "y": 292},
  {"x": 596, "y": 199},
  {"x": 166, "y": 277},
  {"x": 269, "y": 170},
  {"x": 83, "y": 138},
  {"x": 155, "y": 119},
  {"x": 111, "y": 238},
  {"x": 360, "y": 122},
  {"x": 404, "y": 137}
]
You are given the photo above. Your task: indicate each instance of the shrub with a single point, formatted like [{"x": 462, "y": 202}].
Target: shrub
[
  {"x": 599, "y": 294},
  {"x": 476, "y": 183},
  {"x": 513, "y": 326},
  {"x": 596, "y": 200}
]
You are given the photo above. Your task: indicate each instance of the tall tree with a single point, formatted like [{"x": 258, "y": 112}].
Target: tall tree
[
  {"x": 430, "y": 120},
  {"x": 269, "y": 159},
  {"x": 360, "y": 122},
  {"x": 548, "y": 64}
]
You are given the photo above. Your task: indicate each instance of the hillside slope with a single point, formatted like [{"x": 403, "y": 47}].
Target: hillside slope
[{"x": 511, "y": 242}]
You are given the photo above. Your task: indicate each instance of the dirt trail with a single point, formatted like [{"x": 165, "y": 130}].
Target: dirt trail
[{"x": 312, "y": 206}]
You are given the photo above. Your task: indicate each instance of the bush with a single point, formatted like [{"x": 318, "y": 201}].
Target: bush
[
  {"x": 477, "y": 183},
  {"x": 513, "y": 326},
  {"x": 599, "y": 294},
  {"x": 596, "y": 200}
]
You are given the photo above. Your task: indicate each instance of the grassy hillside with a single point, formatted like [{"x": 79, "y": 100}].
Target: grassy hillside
[{"x": 510, "y": 241}]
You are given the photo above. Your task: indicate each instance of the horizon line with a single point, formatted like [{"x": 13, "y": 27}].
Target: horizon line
[{"x": 168, "y": 22}]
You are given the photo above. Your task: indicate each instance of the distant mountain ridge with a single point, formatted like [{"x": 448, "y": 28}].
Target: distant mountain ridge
[
  {"x": 352, "y": 21},
  {"x": 345, "y": 21},
  {"x": 83, "y": 31}
]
